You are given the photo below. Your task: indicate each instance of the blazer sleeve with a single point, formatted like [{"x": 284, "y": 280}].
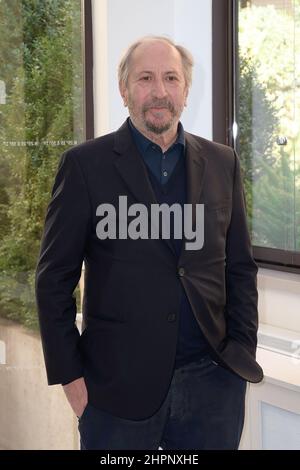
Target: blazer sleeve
[
  {"x": 58, "y": 270},
  {"x": 241, "y": 272}
]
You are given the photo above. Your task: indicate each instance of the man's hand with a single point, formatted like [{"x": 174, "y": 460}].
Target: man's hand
[{"x": 76, "y": 393}]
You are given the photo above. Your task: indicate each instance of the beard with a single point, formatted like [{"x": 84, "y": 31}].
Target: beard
[
  {"x": 159, "y": 128},
  {"x": 156, "y": 127}
]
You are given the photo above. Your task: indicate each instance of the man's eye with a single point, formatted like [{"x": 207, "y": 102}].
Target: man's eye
[
  {"x": 145, "y": 78},
  {"x": 171, "y": 78}
]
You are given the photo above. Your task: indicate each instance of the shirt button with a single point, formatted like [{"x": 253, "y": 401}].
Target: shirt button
[
  {"x": 153, "y": 146},
  {"x": 171, "y": 317},
  {"x": 181, "y": 271},
  {"x": 164, "y": 156},
  {"x": 165, "y": 173}
]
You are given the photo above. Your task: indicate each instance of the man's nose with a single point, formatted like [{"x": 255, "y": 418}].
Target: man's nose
[{"x": 159, "y": 89}]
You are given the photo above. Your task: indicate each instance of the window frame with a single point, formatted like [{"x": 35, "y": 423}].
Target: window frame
[
  {"x": 224, "y": 83},
  {"x": 88, "y": 85}
]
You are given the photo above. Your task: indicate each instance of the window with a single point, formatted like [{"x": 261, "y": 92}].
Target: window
[
  {"x": 45, "y": 107},
  {"x": 261, "y": 111}
]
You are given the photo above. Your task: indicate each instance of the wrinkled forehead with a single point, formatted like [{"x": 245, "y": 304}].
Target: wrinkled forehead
[{"x": 153, "y": 55}]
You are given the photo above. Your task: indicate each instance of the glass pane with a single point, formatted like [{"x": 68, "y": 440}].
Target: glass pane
[
  {"x": 268, "y": 118},
  {"x": 41, "y": 114}
]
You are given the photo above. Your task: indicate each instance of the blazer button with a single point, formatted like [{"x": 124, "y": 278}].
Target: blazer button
[
  {"x": 181, "y": 271},
  {"x": 171, "y": 316}
]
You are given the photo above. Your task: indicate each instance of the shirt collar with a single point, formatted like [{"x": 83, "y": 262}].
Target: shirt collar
[{"x": 144, "y": 142}]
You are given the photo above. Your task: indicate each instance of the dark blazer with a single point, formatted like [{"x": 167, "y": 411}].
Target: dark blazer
[{"x": 127, "y": 349}]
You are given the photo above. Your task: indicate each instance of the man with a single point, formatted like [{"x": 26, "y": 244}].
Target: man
[{"x": 169, "y": 333}]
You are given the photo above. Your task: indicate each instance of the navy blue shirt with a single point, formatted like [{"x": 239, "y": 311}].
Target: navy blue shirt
[
  {"x": 191, "y": 343},
  {"x": 161, "y": 164}
]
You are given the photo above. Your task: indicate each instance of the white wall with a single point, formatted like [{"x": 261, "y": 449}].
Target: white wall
[
  {"x": 116, "y": 24},
  {"x": 33, "y": 416},
  {"x": 279, "y": 299}
]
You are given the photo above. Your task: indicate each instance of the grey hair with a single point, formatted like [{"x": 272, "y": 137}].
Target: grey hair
[{"x": 186, "y": 58}]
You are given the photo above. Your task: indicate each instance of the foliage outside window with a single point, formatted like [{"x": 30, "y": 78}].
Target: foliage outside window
[
  {"x": 268, "y": 118},
  {"x": 41, "y": 114}
]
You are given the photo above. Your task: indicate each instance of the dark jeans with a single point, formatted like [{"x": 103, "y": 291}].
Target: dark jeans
[{"x": 204, "y": 409}]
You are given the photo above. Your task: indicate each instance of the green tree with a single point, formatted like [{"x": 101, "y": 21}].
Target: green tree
[
  {"x": 40, "y": 53},
  {"x": 269, "y": 95},
  {"x": 258, "y": 123},
  {"x": 274, "y": 211}
]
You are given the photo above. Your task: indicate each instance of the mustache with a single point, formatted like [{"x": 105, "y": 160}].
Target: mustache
[{"x": 159, "y": 104}]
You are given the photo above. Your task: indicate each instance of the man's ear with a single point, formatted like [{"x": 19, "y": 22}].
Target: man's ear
[{"x": 123, "y": 92}]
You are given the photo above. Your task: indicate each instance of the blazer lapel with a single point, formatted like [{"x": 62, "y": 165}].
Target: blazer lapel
[
  {"x": 195, "y": 172},
  {"x": 134, "y": 173}
]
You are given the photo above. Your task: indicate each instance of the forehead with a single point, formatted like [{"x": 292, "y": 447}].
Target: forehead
[{"x": 151, "y": 54}]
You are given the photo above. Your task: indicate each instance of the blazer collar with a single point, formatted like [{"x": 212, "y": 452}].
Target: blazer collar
[{"x": 132, "y": 169}]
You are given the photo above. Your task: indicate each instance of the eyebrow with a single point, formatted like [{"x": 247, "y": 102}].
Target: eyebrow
[{"x": 151, "y": 72}]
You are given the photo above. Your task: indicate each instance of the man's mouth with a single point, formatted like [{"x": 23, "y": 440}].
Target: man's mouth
[{"x": 158, "y": 107}]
